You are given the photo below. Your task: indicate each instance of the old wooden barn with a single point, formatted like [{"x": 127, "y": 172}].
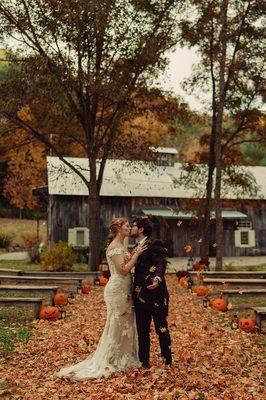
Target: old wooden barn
[{"x": 134, "y": 188}]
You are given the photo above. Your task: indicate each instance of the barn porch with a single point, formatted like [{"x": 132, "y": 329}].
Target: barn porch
[{"x": 178, "y": 228}]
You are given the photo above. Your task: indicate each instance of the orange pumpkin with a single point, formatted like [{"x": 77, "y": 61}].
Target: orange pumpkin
[
  {"x": 49, "y": 313},
  {"x": 201, "y": 290},
  {"x": 85, "y": 289},
  {"x": 103, "y": 281},
  {"x": 60, "y": 299},
  {"x": 219, "y": 304},
  {"x": 183, "y": 281},
  {"x": 247, "y": 325},
  {"x": 199, "y": 267}
]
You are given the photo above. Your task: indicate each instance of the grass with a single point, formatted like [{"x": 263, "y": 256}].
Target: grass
[
  {"x": 15, "y": 327},
  {"x": 26, "y": 266},
  {"x": 20, "y": 227},
  {"x": 247, "y": 301},
  {"x": 230, "y": 267}
]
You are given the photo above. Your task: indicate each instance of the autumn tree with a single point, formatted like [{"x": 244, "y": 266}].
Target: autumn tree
[
  {"x": 26, "y": 170},
  {"x": 228, "y": 36},
  {"x": 94, "y": 57}
]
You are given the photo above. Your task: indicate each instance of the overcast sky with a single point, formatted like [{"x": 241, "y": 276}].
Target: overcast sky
[{"x": 180, "y": 67}]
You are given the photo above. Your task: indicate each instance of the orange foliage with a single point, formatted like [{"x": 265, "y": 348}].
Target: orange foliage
[{"x": 26, "y": 170}]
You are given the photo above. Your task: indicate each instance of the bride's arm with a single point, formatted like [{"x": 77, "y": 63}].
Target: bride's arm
[{"x": 125, "y": 266}]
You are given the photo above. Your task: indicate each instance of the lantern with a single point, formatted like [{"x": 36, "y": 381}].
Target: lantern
[
  {"x": 206, "y": 302},
  {"x": 234, "y": 322}
]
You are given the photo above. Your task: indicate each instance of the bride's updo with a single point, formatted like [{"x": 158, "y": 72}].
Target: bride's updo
[{"x": 114, "y": 228}]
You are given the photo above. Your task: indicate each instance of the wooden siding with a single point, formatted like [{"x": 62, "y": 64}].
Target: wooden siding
[{"x": 72, "y": 211}]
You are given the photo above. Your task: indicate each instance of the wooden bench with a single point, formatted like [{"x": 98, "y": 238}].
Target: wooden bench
[
  {"x": 53, "y": 274},
  {"x": 232, "y": 274},
  {"x": 52, "y": 290},
  {"x": 249, "y": 292},
  {"x": 260, "y": 315},
  {"x": 41, "y": 279},
  {"x": 22, "y": 302},
  {"x": 241, "y": 283}
]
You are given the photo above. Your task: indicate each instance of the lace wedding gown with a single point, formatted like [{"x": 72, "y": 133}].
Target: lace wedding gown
[{"x": 118, "y": 346}]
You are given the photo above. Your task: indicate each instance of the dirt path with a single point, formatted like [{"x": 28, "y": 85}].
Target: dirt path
[{"x": 210, "y": 360}]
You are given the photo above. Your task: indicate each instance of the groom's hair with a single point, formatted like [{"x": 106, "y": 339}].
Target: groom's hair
[{"x": 145, "y": 224}]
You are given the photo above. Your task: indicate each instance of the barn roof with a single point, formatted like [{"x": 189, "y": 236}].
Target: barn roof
[{"x": 133, "y": 179}]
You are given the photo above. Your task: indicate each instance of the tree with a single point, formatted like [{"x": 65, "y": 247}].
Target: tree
[
  {"x": 26, "y": 170},
  {"x": 228, "y": 35},
  {"x": 89, "y": 59}
]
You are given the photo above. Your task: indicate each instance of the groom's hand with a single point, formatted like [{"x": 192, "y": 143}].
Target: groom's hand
[{"x": 154, "y": 285}]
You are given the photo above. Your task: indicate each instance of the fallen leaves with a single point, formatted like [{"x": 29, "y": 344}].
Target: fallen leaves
[
  {"x": 188, "y": 248},
  {"x": 211, "y": 362}
]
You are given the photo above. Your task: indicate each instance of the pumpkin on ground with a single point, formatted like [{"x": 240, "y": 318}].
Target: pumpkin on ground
[
  {"x": 183, "y": 281},
  {"x": 103, "y": 281},
  {"x": 199, "y": 267},
  {"x": 219, "y": 304},
  {"x": 60, "y": 299},
  {"x": 247, "y": 325},
  {"x": 49, "y": 313},
  {"x": 201, "y": 290},
  {"x": 86, "y": 288}
]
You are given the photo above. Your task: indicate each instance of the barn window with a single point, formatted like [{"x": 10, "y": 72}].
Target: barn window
[
  {"x": 244, "y": 237},
  {"x": 80, "y": 238}
]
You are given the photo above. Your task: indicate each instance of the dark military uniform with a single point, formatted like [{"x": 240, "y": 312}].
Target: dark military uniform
[{"x": 151, "y": 304}]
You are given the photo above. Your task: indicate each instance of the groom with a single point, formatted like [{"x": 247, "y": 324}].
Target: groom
[{"x": 150, "y": 293}]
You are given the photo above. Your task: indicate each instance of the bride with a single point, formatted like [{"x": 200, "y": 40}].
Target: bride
[{"x": 117, "y": 348}]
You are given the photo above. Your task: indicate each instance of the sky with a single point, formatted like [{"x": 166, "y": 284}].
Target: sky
[{"x": 179, "y": 68}]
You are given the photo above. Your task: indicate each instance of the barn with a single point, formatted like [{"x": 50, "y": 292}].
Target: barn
[{"x": 137, "y": 188}]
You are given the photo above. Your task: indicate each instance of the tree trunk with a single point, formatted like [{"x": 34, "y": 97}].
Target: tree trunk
[
  {"x": 218, "y": 140},
  {"x": 206, "y": 227},
  {"x": 94, "y": 217},
  {"x": 38, "y": 229}
]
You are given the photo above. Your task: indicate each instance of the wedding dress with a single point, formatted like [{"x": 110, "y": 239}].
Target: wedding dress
[{"x": 118, "y": 346}]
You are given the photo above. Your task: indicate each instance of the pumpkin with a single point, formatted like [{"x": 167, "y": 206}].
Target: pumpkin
[
  {"x": 247, "y": 325},
  {"x": 219, "y": 304},
  {"x": 199, "y": 267},
  {"x": 201, "y": 290},
  {"x": 102, "y": 281},
  {"x": 49, "y": 313},
  {"x": 60, "y": 299},
  {"x": 183, "y": 281},
  {"x": 85, "y": 289}
]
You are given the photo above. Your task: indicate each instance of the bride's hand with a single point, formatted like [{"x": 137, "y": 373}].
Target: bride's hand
[{"x": 141, "y": 248}]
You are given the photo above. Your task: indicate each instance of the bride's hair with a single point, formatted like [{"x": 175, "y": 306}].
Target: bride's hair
[{"x": 114, "y": 228}]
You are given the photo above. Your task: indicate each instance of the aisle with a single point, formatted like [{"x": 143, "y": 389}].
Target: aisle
[{"x": 210, "y": 360}]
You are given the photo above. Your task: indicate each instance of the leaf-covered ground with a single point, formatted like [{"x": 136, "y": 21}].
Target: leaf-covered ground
[{"x": 210, "y": 360}]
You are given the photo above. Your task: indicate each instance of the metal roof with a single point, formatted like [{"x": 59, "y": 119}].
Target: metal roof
[
  {"x": 132, "y": 179},
  {"x": 165, "y": 150},
  {"x": 167, "y": 213}
]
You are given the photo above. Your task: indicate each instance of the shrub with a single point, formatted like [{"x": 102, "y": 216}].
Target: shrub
[
  {"x": 59, "y": 258},
  {"x": 6, "y": 239},
  {"x": 32, "y": 245}
]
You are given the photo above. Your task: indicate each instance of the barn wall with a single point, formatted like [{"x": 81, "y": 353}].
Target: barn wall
[{"x": 72, "y": 211}]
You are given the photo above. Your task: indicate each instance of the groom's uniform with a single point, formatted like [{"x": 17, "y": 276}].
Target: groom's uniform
[{"x": 152, "y": 304}]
